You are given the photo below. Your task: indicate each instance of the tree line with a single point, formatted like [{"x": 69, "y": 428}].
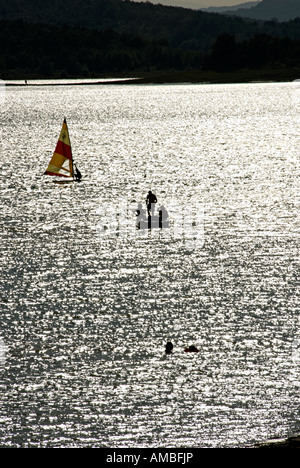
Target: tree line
[
  {"x": 256, "y": 53},
  {"x": 28, "y": 50},
  {"x": 48, "y": 51}
]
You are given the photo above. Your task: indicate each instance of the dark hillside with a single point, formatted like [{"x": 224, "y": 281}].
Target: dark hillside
[
  {"x": 182, "y": 28},
  {"x": 37, "y": 50},
  {"x": 88, "y": 38}
]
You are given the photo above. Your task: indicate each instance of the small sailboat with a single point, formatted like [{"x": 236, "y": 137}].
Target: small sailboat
[{"x": 62, "y": 163}]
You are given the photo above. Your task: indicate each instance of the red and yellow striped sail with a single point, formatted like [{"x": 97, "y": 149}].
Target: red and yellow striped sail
[{"x": 61, "y": 163}]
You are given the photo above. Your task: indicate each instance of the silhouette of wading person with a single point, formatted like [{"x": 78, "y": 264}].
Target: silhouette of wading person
[{"x": 150, "y": 201}]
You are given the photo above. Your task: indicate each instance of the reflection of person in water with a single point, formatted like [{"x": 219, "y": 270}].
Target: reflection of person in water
[
  {"x": 169, "y": 347},
  {"x": 150, "y": 201}
]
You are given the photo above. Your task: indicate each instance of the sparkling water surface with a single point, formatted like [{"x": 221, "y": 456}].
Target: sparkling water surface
[{"x": 88, "y": 302}]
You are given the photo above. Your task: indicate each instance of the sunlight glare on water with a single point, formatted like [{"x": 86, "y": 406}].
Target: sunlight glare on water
[{"x": 88, "y": 302}]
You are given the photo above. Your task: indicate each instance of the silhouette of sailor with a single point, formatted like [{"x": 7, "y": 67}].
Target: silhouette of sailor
[
  {"x": 78, "y": 175},
  {"x": 150, "y": 201}
]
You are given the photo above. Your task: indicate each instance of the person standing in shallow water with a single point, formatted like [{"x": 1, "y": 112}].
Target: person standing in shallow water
[
  {"x": 169, "y": 347},
  {"x": 151, "y": 200}
]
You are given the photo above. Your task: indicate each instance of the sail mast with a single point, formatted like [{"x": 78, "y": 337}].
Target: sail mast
[{"x": 72, "y": 160}]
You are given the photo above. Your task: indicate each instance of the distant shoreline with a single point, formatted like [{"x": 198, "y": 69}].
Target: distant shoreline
[{"x": 193, "y": 77}]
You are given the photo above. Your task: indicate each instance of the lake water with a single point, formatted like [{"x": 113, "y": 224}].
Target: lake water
[{"x": 88, "y": 301}]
